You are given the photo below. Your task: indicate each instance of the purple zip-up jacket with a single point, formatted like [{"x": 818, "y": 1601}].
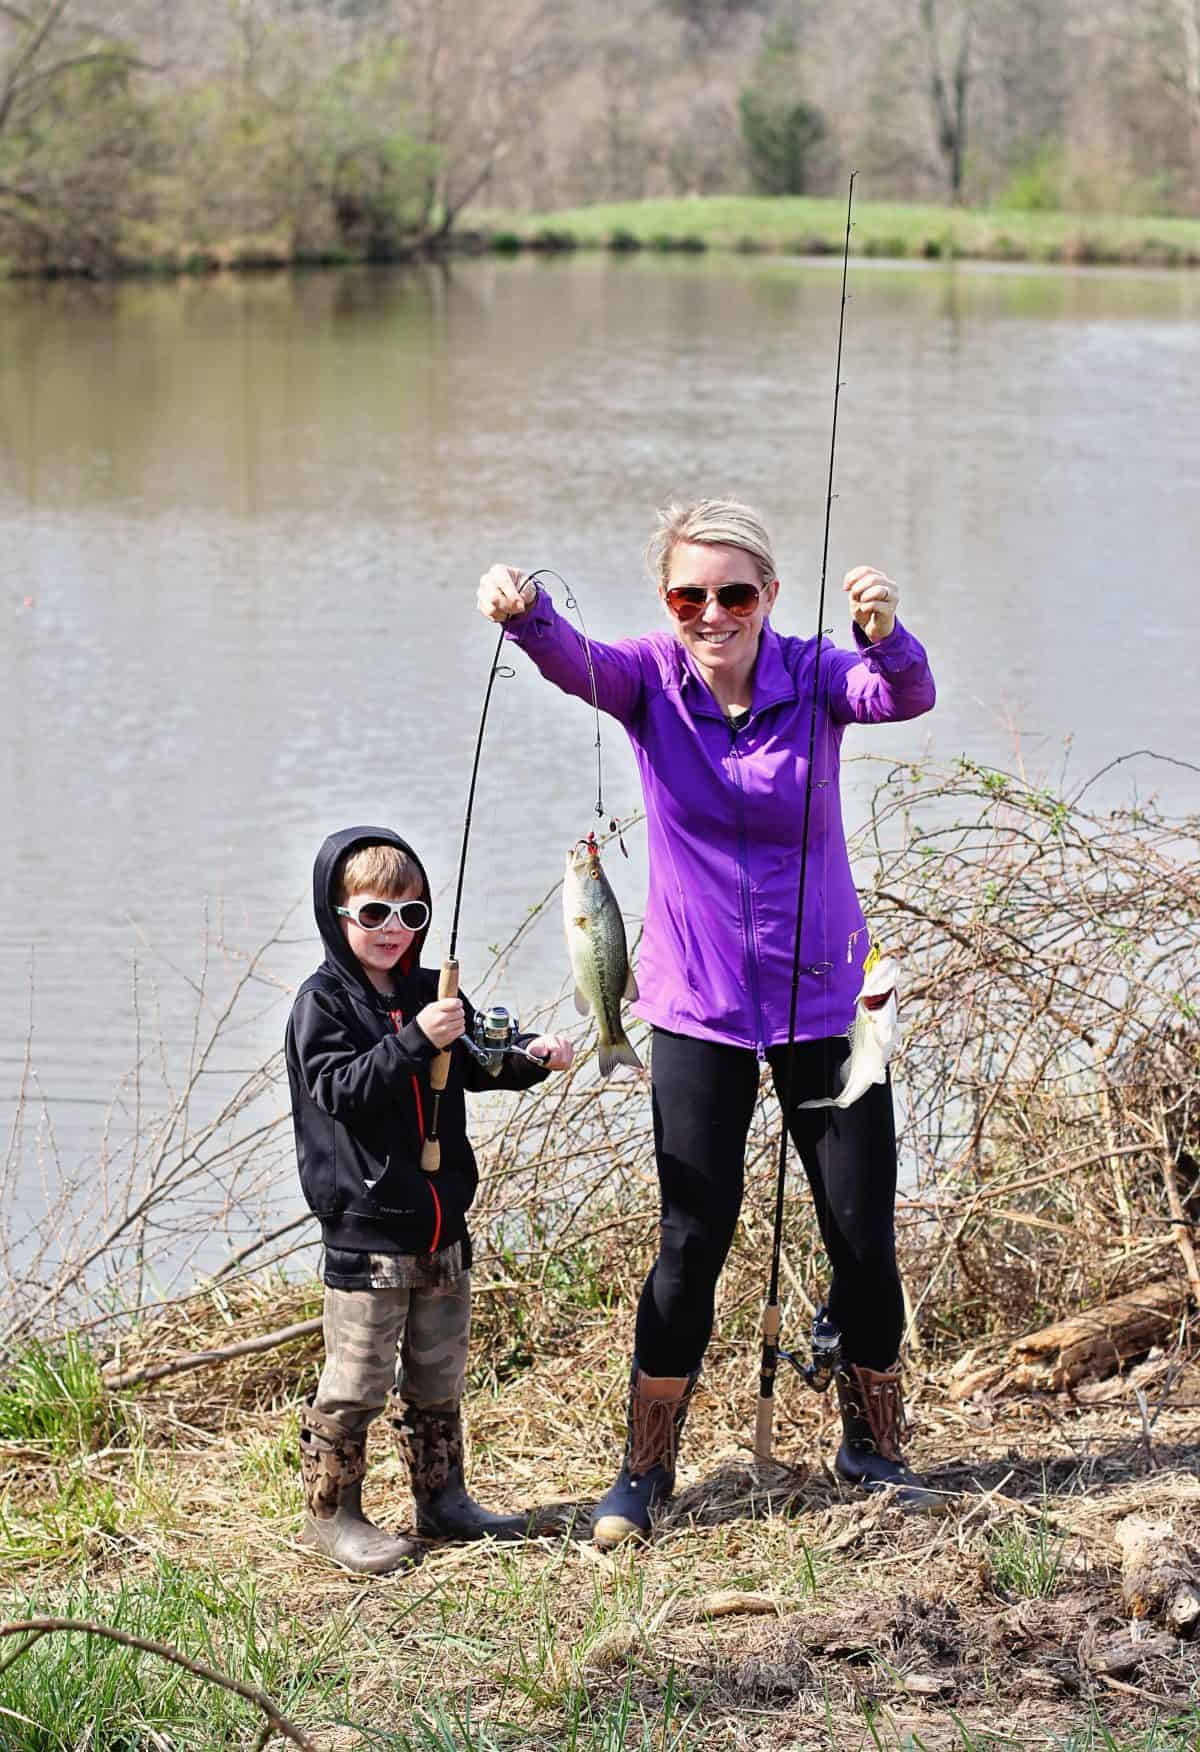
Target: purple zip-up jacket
[{"x": 725, "y": 814}]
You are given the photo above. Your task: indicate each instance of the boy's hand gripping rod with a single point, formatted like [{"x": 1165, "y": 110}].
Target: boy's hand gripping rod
[{"x": 771, "y": 1353}]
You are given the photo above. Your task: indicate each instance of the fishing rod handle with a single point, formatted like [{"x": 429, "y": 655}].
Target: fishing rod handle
[
  {"x": 431, "y": 1149},
  {"x": 765, "y": 1415},
  {"x": 764, "y": 1419}
]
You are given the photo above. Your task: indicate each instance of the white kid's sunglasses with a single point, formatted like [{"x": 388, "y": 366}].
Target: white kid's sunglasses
[{"x": 373, "y": 915}]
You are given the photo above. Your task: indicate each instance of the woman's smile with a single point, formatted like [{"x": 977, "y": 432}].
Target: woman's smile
[{"x": 723, "y": 645}]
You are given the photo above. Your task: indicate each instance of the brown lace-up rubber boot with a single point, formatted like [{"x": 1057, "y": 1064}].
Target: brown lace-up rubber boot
[
  {"x": 658, "y": 1407},
  {"x": 332, "y": 1465},
  {"x": 872, "y": 1427},
  {"x": 432, "y": 1443}
]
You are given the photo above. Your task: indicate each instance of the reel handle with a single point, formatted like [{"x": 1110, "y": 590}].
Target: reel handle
[{"x": 431, "y": 1149}]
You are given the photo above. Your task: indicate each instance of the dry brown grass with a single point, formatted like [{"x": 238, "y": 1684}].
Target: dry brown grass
[{"x": 857, "y": 1608}]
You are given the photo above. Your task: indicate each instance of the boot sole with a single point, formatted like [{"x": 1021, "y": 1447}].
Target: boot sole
[
  {"x": 913, "y": 1499},
  {"x": 505, "y": 1534},
  {"x": 612, "y": 1530}
]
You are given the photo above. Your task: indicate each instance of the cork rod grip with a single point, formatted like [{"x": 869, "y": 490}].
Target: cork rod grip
[
  {"x": 764, "y": 1418},
  {"x": 431, "y": 1149}
]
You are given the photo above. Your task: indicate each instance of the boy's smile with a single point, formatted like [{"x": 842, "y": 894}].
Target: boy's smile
[{"x": 379, "y": 951}]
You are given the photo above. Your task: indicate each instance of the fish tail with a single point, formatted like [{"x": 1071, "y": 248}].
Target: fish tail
[{"x": 617, "y": 1052}]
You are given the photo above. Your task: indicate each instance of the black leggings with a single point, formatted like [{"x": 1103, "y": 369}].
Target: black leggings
[{"x": 703, "y": 1100}]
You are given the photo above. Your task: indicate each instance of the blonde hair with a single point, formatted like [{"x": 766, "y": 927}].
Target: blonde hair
[
  {"x": 720, "y": 522},
  {"x": 382, "y": 870}
]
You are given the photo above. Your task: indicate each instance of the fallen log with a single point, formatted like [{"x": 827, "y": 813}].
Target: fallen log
[
  {"x": 1086, "y": 1346},
  {"x": 1160, "y": 1575}
]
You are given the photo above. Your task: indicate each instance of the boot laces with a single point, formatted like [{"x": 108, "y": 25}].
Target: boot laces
[
  {"x": 653, "y": 1435},
  {"x": 882, "y": 1408}
]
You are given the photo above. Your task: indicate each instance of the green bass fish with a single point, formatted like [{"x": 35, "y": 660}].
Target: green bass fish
[{"x": 599, "y": 957}]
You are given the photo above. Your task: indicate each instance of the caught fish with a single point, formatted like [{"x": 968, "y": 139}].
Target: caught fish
[
  {"x": 874, "y": 1035},
  {"x": 599, "y": 957}
]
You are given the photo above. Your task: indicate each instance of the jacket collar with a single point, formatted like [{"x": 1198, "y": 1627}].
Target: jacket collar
[{"x": 773, "y": 681}]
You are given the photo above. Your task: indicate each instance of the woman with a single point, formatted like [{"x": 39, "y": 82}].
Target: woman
[{"x": 719, "y": 711}]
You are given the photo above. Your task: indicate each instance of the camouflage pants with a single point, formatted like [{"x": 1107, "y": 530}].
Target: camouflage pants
[{"x": 412, "y": 1340}]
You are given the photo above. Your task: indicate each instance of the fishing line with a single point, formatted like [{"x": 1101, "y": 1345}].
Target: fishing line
[
  {"x": 501, "y": 671},
  {"x": 572, "y": 603},
  {"x": 771, "y": 1318}
]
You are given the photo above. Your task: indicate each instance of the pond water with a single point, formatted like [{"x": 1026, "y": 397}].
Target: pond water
[{"x": 243, "y": 520}]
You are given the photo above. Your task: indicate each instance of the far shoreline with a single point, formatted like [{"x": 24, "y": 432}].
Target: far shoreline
[{"x": 697, "y": 225}]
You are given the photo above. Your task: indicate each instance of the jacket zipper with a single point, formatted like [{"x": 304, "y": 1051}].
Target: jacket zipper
[
  {"x": 397, "y": 1017},
  {"x": 749, "y": 951}
]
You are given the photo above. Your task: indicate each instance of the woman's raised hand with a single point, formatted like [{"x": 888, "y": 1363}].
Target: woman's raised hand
[
  {"x": 873, "y": 600},
  {"x": 502, "y": 595}
]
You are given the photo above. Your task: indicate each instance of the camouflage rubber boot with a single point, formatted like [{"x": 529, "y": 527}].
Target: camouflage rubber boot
[
  {"x": 332, "y": 1465},
  {"x": 432, "y": 1443},
  {"x": 872, "y": 1425},
  {"x": 658, "y": 1407}
]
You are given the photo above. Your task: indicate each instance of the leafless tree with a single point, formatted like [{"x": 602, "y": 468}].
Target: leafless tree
[
  {"x": 948, "y": 48},
  {"x": 480, "y": 74}
]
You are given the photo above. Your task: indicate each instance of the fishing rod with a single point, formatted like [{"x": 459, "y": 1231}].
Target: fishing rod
[
  {"x": 431, "y": 1148},
  {"x": 494, "y": 1035},
  {"x": 820, "y": 1372}
]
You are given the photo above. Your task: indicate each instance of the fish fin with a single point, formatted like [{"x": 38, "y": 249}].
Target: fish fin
[
  {"x": 631, "y": 993},
  {"x": 581, "y": 1003},
  {"x": 617, "y": 1052}
]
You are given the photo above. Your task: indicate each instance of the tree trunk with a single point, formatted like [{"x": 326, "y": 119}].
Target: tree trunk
[
  {"x": 1189, "y": 18},
  {"x": 948, "y": 98}
]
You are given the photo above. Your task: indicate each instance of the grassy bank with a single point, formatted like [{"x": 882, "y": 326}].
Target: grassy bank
[
  {"x": 889, "y": 229},
  {"x": 746, "y": 224},
  {"x": 772, "y": 1611},
  {"x": 1051, "y": 1141}
]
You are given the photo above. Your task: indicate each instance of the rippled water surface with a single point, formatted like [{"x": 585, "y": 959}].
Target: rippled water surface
[{"x": 243, "y": 520}]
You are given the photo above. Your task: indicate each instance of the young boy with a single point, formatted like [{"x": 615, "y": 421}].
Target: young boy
[{"x": 361, "y": 1039}]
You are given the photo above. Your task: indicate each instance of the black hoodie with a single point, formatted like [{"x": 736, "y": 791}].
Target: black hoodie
[{"x": 358, "y": 1066}]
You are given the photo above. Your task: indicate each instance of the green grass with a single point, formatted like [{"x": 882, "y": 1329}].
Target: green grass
[
  {"x": 72, "y": 1690},
  {"x": 617, "y": 1724},
  {"x": 1026, "y": 1560},
  {"x": 53, "y": 1398},
  {"x": 797, "y": 224}
]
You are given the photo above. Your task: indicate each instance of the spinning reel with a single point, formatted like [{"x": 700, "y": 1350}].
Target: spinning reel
[
  {"x": 496, "y": 1030},
  {"x": 826, "y": 1354}
]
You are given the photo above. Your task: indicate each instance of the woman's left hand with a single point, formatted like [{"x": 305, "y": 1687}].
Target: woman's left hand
[
  {"x": 555, "y": 1051},
  {"x": 873, "y": 600}
]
